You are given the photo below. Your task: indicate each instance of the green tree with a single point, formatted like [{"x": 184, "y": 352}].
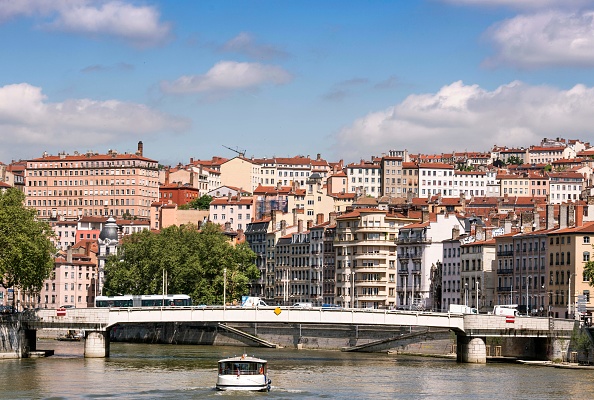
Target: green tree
[
  {"x": 515, "y": 160},
  {"x": 193, "y": 259},
  {"x": 589, "y": 272},
  {"x": 26, "y": 250},
  {"x": 200, "y": 203}
]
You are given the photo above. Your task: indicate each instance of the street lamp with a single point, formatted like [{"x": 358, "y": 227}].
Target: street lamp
[
  {"x": 224, "y": 287},
  {"x": 466, "y": 293}
]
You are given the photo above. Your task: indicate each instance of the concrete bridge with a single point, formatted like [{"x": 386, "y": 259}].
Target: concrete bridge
[{"x": 471, "y": 329}]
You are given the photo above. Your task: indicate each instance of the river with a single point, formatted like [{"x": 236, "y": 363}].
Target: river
[{"x": 144, "y": 371}]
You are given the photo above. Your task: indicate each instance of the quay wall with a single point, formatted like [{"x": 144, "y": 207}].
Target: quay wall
[
  {"x": 303, "y": 336},
  {"x": 10, "y": 338}
]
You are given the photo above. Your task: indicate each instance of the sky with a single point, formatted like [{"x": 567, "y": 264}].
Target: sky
[{"x": 348, "y": 80}]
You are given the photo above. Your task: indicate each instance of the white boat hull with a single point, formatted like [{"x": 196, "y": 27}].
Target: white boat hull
[{"x": 243, "y": 382}]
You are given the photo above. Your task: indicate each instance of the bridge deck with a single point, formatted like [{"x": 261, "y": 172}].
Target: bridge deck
[{"x": 469, "y": 324}]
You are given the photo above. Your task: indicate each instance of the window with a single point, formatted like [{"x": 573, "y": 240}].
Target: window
[
  {"x": 586, "y": 239},
  {"x": 586, "y": 256}
]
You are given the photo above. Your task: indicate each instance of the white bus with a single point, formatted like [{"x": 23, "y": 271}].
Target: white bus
[{"x": 507, "y": 310}]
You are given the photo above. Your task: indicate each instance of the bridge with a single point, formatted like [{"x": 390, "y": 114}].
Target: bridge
[{"x": 471, "y": 329}]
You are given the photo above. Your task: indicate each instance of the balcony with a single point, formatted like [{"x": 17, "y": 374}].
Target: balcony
[
  {"x": 505, "y": 271},
  {"x": 505, "y": 253},
  {"x": 504, "y": 289},
  {"x": 403, "y": 271},
  {"x": 413, "y": 240}
]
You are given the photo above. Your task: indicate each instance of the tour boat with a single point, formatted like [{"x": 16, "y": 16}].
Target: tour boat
[{"x": 243, "y": 373}]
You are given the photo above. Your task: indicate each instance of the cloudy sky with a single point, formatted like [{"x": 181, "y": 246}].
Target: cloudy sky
[{"x": 347, "y": 79}]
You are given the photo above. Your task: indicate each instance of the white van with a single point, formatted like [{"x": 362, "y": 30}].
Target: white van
[
  {"x": 302, "y": 305},
  {"x": 508, "y": 310},
  {"x": 248, "y": 301}
]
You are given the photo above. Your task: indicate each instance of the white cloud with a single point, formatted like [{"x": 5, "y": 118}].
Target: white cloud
[
  {"x": 139, "y": 25},
  {"x": 460, "y": 117},
  {"x": 28, "y": 120},
  {"x": 228, "y": 76},
  {"x": 244, "y": 43},
  {"x": 545, "y": 39}
]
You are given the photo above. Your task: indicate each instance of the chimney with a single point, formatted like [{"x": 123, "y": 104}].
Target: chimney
[
  {"x": 320, "y": 219},
  {"x": 571, "y": 215},
  {"x": 294, "y": 216},
  {"x": 240, "y": 235},
  {"x": 69, "y": 255},
  {"x": 309, "y": 224},
  {"x": 424, "y": 216},
  {"x": 283, "y": 226},
  {"x": 300, "y": 226},
  {"x": 273, "y": 220},
  {"x": 550, "y": 216},
  {"x": 563, "y": 216},
  {"x": 332, "y": 217},
  {"x": 579, "y": 215},
  {"x": 455, "y": 232},
  {"x": 488, "y": 234},
  {"x": 507, "y": 225},
  {"x": 140, "y": 148},
  {"x": 278, "y": 185},
  {"x": 536, "y": 220}
]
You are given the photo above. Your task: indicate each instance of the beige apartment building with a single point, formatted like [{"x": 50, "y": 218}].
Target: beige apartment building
[
  {"x": 366, "y": 257},
  {"x": 67, "y": 187}
]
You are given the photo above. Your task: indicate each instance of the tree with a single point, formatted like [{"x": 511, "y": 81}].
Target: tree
[
  {"x": 589, "y": 272},
  {"x": 193, "y": 259},
  {"x": 26, "y": 250},
  {"x": 515, "y": 160},
  {"x": 200, "y": 203}
]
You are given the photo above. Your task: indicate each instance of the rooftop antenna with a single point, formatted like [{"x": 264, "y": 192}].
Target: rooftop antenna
[{"x": 236, "y": 149}]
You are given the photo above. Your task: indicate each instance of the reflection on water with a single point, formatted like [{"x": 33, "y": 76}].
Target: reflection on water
[{"x": 139, "y": 371}]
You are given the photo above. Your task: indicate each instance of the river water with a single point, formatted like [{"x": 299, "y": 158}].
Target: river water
[{"x": 144, "y": 371}]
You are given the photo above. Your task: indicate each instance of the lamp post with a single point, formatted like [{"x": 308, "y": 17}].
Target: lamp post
[
  {"x": 466, "y": 293},
  {"x": 224, "y": 288},
  {"x": 477, "y": 295}
]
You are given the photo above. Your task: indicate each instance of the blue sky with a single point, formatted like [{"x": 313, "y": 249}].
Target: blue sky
[{"x": 346, "y": 79}]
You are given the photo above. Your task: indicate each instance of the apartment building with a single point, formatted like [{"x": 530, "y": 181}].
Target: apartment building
[
  {"x": 420, "y": 246},
  {"x": 72, "y": 282},
  {"x": 391, "y": 169},
  {"x": 68, "y": 187},
  {"x": 565, "y": 186},
  {"x": 470, "y": 184},
  {"x": 514, "y": 184},
  {"x": 365, "y": 177},
  {"x": 365, "y": 244},
  {"x": 232, "y": 212},
  {"x": 436, "y": 178},
  {"x": 450, "y": 274},
  {"x": 477, "y": 275},
  {"x": 241, "y": 172}
]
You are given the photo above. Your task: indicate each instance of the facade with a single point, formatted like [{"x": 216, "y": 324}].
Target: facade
[
  {"x": 420, "y": 246},
  {"x": 178, "y": 193},
  {"x": 234, "y": 212},
  {"x": 391, "y": 168},
  {"x": 242, "y": 173},
  {"x": 565, "y": 187},
  {"x": 470, "y": 184},
  {"x": 477, "y": 274},
  {"x": 365, "y": 245},
  {"x": 71, "y": 283},
  {"x": 365, "y": 178},
  {"x": 436, "y": 178},
  {"x": 68, "y": 187},
  {"x": 450, "y": 275}
]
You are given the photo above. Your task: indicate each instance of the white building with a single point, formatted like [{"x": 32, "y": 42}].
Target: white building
[{"x": 436, "y": 178}]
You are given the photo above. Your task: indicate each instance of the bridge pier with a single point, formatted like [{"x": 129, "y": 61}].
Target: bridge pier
[
  {"x": 471, "y": 349},
  {"x": 96, "y": 344}
]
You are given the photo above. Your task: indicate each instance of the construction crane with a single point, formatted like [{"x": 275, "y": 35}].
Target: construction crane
[{"x": 236, "y": 149}]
